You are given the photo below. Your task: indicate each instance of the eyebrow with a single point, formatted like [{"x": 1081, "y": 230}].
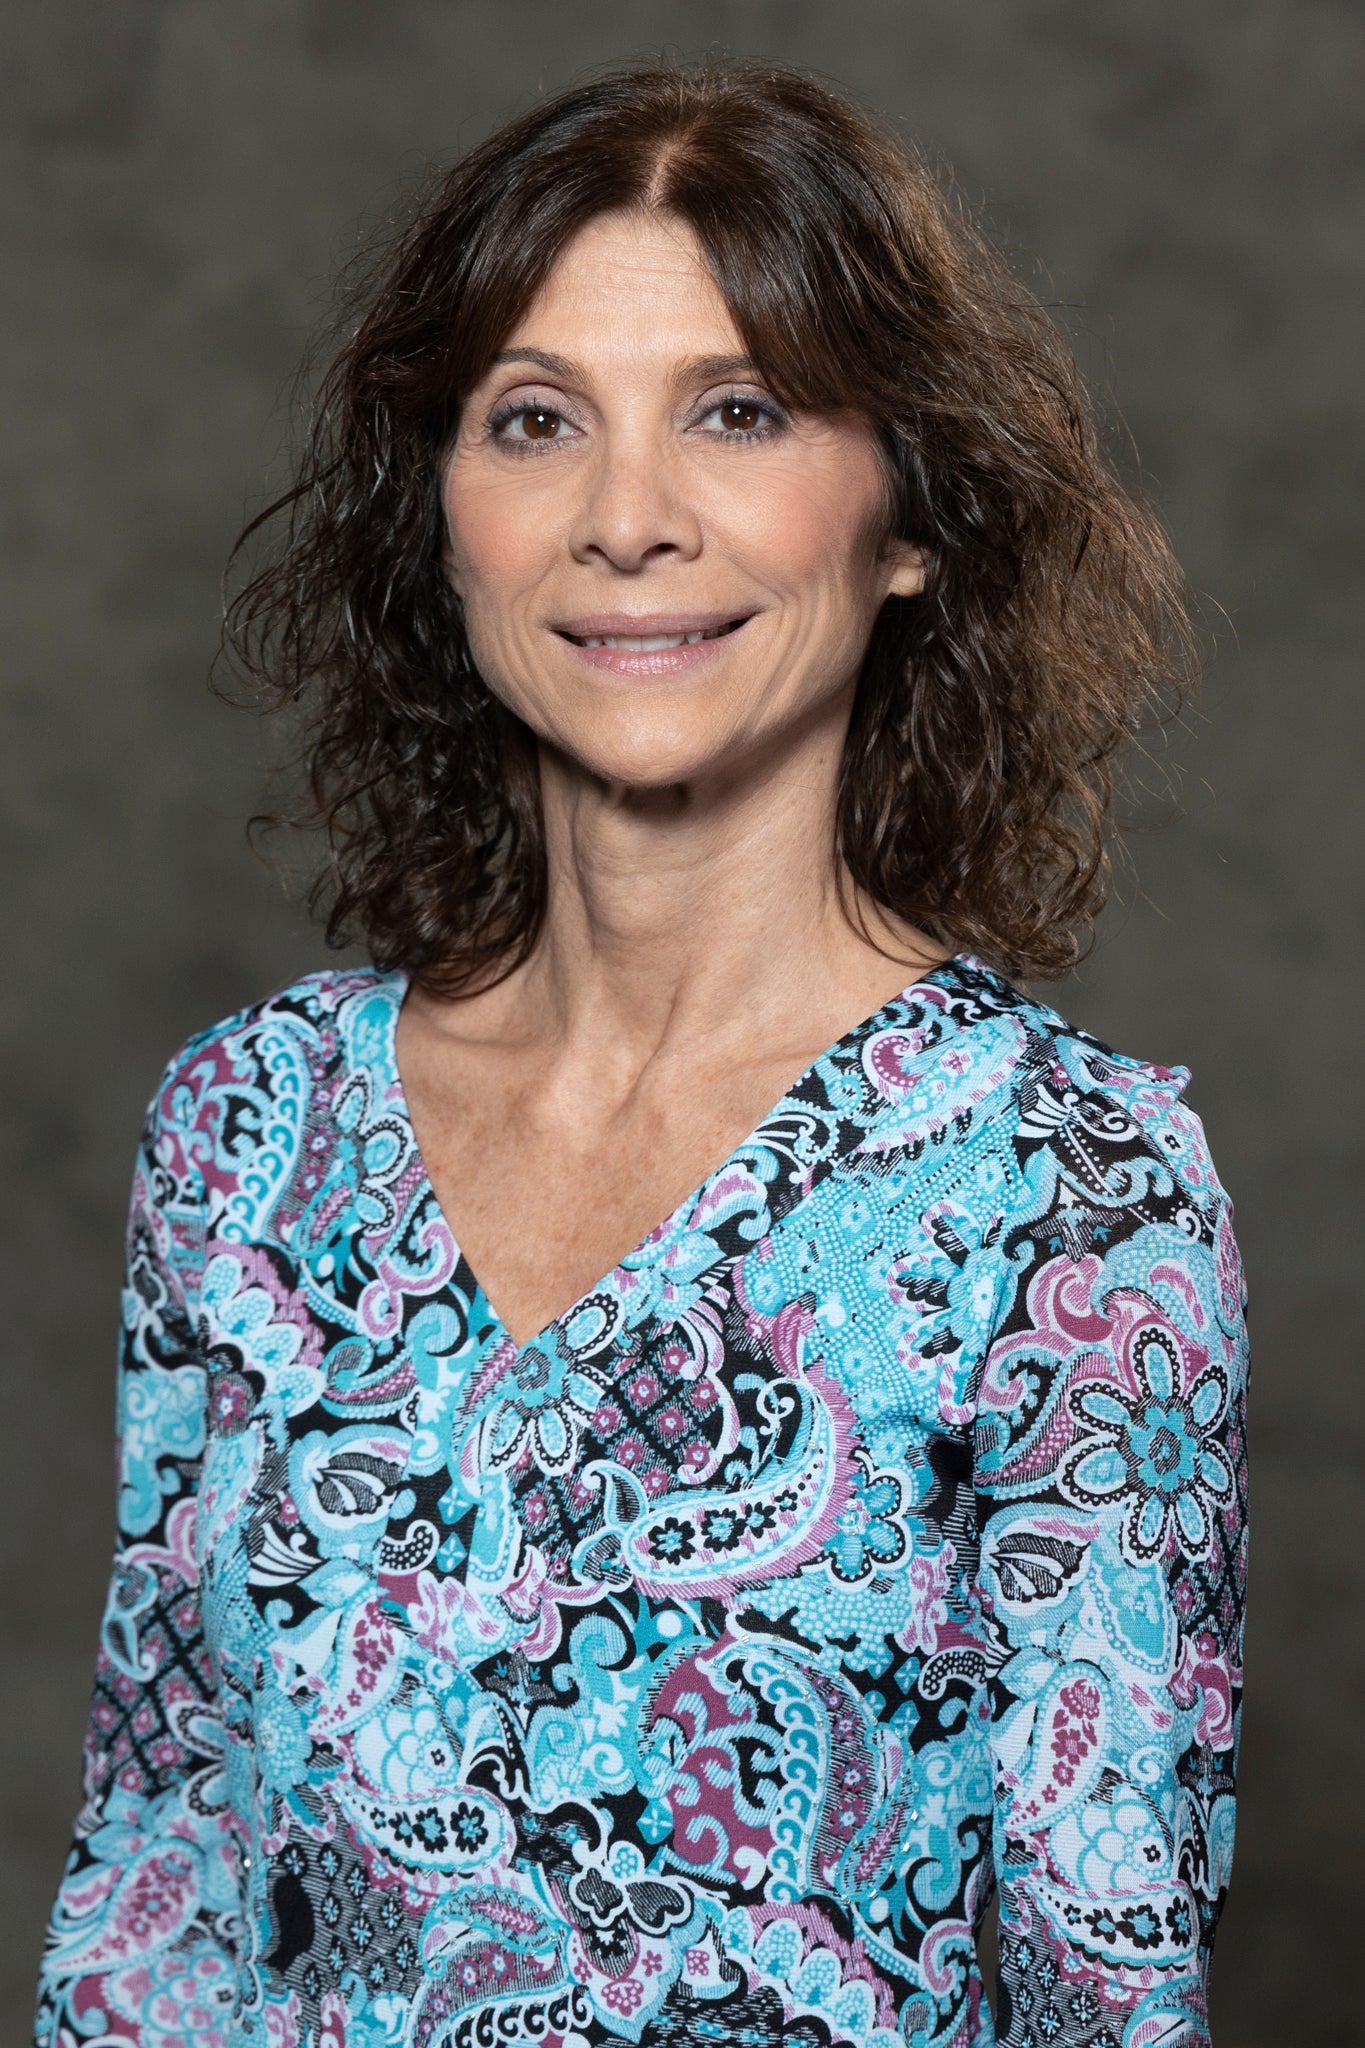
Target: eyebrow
[
  {"x": 701, "y": 368},
  {"x": 553, "y": 366}
]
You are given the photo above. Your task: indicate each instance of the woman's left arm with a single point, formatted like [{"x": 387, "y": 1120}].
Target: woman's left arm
[{"x": 1109, "y": 1473}]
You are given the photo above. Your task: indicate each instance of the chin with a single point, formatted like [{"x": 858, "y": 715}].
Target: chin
[
  {"x": 643, "y": 768},
  {"x": 648, "y": 752}
]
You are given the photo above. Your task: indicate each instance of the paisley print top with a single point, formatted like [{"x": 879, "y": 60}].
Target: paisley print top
[{"x": 869, "y": 1540}]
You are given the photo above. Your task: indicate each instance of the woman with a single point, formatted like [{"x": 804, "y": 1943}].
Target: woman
[{"x": 534, "y": 1619}]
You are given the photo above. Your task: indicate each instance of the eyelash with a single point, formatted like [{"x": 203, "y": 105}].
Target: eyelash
[{"x": 772, "y": 413}]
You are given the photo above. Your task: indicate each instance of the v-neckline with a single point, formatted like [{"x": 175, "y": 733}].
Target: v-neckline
[{"x": 398, "y": 984}]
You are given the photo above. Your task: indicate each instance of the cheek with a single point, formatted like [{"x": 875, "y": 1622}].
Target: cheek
[
  {"x": 497, "y": 544},
  {"x": 808, "y": 533}
]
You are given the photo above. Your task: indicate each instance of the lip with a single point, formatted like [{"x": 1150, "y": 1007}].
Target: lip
[{"x": 658, "y": 661}]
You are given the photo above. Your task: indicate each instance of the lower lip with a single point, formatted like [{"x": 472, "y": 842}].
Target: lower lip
[{"x": 660, "y": 661}]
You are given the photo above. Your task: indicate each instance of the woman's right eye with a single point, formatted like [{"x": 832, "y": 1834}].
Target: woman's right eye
[{"x": 527, "y": 425}]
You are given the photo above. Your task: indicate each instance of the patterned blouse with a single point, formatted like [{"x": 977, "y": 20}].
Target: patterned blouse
[{"x": 871, "y": 1539}]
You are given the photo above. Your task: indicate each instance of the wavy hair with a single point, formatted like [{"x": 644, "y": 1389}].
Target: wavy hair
[{"x": 977, "y": 779}]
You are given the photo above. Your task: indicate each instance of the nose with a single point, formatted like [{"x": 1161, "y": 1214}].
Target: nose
[{"x": 635, "y": 511}]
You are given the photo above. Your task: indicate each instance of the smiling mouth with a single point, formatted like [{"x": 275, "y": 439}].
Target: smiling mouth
[{"x": 652, "y": 643}]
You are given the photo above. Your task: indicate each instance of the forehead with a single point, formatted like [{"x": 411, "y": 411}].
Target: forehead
[{"x": 634, "y": 283}]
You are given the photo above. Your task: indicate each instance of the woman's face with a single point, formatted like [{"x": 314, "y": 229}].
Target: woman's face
[{"x": 663, "y": 572}]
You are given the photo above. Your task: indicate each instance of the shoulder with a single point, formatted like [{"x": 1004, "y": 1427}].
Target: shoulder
[
  {"x": 309, "y": 1007},
  {"x": 241, "y": 1089},
  {"x": 1114, "y": 1181},
  {"x": 967, "y": 1060},
  {"x": 314, "y": 1009}
]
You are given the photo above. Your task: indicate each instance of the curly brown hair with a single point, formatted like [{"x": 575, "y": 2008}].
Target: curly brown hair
[{"x": 977, "y": 776}]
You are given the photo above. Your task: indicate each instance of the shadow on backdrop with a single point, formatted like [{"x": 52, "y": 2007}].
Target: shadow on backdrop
[{"x": 181, "y": 183}]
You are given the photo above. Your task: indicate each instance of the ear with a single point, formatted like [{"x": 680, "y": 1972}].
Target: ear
[{"x": 906, "y": 568}]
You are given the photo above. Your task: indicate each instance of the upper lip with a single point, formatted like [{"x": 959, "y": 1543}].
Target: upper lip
[{"x": 645, "y": 625}]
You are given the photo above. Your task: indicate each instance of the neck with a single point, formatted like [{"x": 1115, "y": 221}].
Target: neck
[{"x": 709, "y": 914}]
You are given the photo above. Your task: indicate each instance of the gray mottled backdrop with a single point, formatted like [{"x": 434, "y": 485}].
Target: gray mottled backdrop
[{"x": 181, "y": 179}]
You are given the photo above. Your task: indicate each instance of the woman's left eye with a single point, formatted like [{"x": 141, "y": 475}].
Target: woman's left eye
[{"x": 742, "y": 419}]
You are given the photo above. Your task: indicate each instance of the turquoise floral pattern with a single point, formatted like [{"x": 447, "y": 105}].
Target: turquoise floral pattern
[
  {"x": 869, "y": 1532},
  {"x": 870, "y": 1540},
  {"x": 1154, "y": 1435}
]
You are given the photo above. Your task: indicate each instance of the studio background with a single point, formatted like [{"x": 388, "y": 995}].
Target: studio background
[{"x": 181, "y": 181}]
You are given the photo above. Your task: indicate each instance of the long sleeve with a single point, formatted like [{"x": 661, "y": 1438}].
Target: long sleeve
[
  {"x": 1111, "y": 1500},
  {"x": 141, "y": 1939}
]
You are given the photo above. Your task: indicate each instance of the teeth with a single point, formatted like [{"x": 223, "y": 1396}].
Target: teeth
[{"x": 652, "y": 643}]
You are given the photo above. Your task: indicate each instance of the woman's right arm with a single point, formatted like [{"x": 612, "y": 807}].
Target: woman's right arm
[{"x": 142, "y": 1940}]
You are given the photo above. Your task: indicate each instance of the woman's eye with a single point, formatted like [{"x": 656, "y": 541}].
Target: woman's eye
[
  {"x": 533, "y": 423},
  {"x": 740, "y": 419}
]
